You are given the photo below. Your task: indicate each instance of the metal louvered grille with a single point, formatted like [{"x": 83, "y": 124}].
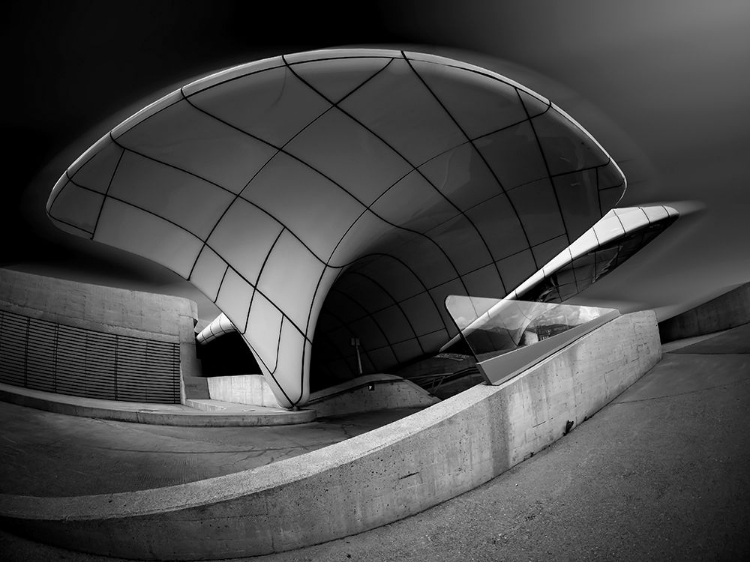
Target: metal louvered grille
[{"x": 43, "y": 355}]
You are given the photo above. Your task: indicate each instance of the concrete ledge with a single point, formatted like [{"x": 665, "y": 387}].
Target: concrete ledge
[
  {"x": 242, "y": 389},
  {"x": 196, "y": 413},
  {"x": 364, "y": 482},
  {"x": 368, "y": 393}
]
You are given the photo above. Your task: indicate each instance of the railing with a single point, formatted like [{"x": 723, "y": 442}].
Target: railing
[{"x": 42, "y": 355}]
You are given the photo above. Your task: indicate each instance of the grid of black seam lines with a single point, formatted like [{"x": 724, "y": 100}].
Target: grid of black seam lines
[
  {"x": 42, "y": 355},
  {"x": 598, "y": 262},
  {"x": 606, "y": 188}
]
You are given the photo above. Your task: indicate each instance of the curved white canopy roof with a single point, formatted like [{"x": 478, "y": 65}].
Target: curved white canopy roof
[{"x": 339, "y": 194}]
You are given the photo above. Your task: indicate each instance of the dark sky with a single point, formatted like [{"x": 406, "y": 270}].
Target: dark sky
[{"x": 662, "y": 84}]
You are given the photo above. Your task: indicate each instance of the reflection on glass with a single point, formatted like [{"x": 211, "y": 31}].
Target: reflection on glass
[
  {"x": 492, "y": 327},
  {"x": 577, "y": 275}
]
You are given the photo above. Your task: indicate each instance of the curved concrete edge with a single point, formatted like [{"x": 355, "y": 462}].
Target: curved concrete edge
[
  {"x": 369, "y": 393},
  {"x": 364, "y": 482},
  {"x": 152, "y": 414}
]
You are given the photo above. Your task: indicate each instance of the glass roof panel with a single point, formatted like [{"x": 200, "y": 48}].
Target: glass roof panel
[
  {"x": 462, "y": 175},
  {"x": 398, "y": 107},
  {"x": 273, "y": 105},
  {"x": 244, "y": 237},
  {"x": 337, "y": 78},
  {"x": 306, "y": 203},
  {"x": 514, "y": 155},
  {"x": 462, "y": 92},
  {"x": 350, "y": 155},
  {"x": 190, "y": 140}
]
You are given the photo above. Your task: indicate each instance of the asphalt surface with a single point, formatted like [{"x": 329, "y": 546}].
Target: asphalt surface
[
  {"x": 661, "y": 473},
  {"x": 46, "y": 454}
]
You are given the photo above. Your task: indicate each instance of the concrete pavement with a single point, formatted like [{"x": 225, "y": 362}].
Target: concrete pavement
[{"x": 46, "y": 454}]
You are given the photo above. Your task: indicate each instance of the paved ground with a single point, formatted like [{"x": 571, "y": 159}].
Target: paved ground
[
  {"x": 45, "y": 454},
  {"x": 662, "y": 473}
]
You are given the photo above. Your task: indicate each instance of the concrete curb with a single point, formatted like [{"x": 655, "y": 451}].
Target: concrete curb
[{"x": 153, "y": 414}]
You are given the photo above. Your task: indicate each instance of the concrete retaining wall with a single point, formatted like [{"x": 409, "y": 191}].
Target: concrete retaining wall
[
  {"x": 242, "y": 389},
  {"x": 368, "y": 393},
  {"x": 364, "y": 482},
  {"x": 107, "y": 310},
  {"x": 729, "y": 310}
]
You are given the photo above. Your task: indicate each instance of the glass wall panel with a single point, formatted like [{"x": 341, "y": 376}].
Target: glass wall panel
[
  {"x": 350, "y": 155},
  {"x": 397, "y": 107},
  {"x": 190, "y": 140},
  {"x": 306, "y": 203},
  {"x": 273, "y": 105},
  {"x": 462, "y": 92},
  {"x": 337, "y": 78},
  {"x": 493, "y": 327},
  {"x": 136, "y": 231},
  {"x": 244, "y": 237}
]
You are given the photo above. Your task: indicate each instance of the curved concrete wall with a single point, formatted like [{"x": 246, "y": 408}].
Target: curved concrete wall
[
  {"x": 93, "y": 311},
  {"x": 729, "y": 310},
  {"x": 367, "y": 481},
  {"x": 368, "y": 393}
]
